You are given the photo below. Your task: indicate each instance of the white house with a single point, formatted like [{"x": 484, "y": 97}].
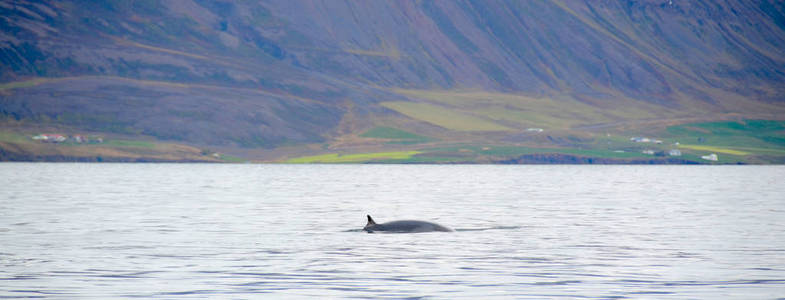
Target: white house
[
  {"x": 711, "y": 157},
  {"x": 52, "y": 138}
]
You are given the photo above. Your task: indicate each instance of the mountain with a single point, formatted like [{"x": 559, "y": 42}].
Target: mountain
[{"x": 272, "y": 79}]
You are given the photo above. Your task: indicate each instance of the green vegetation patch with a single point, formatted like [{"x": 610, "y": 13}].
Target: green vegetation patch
[
  {"x": 729, "y": 128},
  {"x": 747, "y": 137},
  {"x": 715, "y": 149},
  {"x": 549, "y": 112},
  {"x": 396, "y": 136},
  {"x": 13, "y": 137},
  {"x": 353, "y": 158},
  {"x": 232, "y": 159},
  {"x": 444, "y": 117},
  {"x": 127, "y": 143},
  {"x": 6, "y": 136},
  {"x": 419, "y": 159},
  {"x": 516, "y": 151}
]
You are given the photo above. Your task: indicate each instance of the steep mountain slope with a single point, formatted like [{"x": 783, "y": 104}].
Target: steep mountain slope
[
  {"x": 283, "y": 73},
  {"x": 644, "y": 49}
]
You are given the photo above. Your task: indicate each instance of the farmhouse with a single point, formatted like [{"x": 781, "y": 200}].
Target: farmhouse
[
  {"x": 711, "y": 157},
  {"x": 59, "y": 138},
  {"x": 50, "y": 138}
]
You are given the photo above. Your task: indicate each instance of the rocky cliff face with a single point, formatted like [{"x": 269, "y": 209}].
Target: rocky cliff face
[{"x": 272, "y": 73}]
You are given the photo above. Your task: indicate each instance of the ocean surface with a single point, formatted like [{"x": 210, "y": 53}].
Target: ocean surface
[{"x": 168, "y": 231}]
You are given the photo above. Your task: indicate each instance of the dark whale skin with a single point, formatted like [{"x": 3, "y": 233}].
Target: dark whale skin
[{"x": 404, "y": 226}]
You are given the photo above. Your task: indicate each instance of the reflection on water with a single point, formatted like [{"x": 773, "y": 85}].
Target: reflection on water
[{"x": 241, "y": 231}]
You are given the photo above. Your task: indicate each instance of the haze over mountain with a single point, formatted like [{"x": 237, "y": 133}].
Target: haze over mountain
[{"x": 266, "y": 74}]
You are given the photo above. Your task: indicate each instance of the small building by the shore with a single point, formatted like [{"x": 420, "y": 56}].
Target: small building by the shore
[
  {"x": 711, "y": 157},
  {"x": 50, "y": 138}
]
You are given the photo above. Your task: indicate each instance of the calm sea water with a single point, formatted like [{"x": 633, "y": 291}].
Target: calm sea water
[{"x": 291, "y": 231}]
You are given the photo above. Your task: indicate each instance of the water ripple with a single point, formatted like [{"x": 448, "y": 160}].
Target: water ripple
[{"x": 241, "y": 231}]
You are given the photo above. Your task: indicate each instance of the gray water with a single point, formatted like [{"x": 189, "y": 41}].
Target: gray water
[{"x": 292, "y": 231}]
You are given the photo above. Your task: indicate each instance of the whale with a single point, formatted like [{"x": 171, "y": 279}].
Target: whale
[{"x": 403, "y": 226}]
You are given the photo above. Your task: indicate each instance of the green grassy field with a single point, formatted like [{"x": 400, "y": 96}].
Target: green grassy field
[
  {"x": 16, "y": 145},
  {"x": 515, "y": 151},
  {"x": 353, "y": 158},
  {"x": 746, "y": 141},
  {"x": 395, "y": 136},
  {"x": 25, "y": 139},
  {"x": 733, "y": 142},
  {"x": 714, "y": 149},
  {"x": 232, "y": 159},
  {"x": 520, "y": 111},
  {"x": 127, "y": 143},
  {"x": 739, "y": 138},
  {"x": 13, "y": 137}
]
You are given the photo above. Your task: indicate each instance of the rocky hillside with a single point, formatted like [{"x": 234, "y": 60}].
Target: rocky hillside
[{"x": 267, "y": 74}]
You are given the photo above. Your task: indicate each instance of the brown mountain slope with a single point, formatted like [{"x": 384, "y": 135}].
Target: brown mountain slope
[{"x": 282, "y": 73}]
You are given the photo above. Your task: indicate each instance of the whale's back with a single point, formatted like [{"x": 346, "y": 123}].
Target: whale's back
[{"x": 410, "y": 226}]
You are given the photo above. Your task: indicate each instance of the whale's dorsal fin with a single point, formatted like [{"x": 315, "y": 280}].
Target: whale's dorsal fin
[{"x": 370, "y": 221}]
